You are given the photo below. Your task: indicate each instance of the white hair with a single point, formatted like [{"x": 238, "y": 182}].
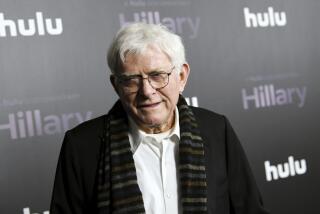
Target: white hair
[{"x": 135, "y": 38}]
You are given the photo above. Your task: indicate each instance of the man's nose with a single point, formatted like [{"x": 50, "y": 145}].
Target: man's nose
[{"x": 146, "y": 88}]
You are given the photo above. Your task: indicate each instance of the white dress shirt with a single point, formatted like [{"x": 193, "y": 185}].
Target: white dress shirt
[{"x": 156, "y": 158}]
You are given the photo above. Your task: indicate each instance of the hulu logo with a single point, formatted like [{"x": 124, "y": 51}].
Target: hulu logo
[
  {"x": 38, "y": 25},
  {"x": 290, "y": 168},
  {"x": 266, "y": 19}
]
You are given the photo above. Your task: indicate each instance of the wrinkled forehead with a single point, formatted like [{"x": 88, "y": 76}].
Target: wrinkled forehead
[{"x": 150, "y": 58}]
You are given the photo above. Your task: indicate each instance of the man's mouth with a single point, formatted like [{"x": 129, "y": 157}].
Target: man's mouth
[{"x": 149, "y": 105}]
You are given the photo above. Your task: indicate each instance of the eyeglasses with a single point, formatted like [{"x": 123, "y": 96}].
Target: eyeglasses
[{"x": 132, "y": 83}]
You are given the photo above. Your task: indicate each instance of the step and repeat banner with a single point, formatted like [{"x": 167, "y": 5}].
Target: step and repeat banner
[{"x": 258, "y": 62}]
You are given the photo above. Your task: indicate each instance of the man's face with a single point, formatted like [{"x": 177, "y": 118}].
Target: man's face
[{"x": 152, "y": 110}]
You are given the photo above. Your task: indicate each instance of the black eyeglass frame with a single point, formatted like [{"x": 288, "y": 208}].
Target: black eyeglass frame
[{"x": 122, "y": 78}]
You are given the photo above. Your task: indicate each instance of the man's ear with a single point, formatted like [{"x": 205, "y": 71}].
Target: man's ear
[
  {"x": 183, "y": 76},
  {"x": 114, "y": 84}
]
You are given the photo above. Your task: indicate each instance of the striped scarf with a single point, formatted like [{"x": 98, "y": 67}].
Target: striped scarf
[{"x": 117, "y": 187}]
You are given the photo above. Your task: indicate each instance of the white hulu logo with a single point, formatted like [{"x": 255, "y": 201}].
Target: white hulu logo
[
  {"x": 27, "y": 211},
  {"x": 291, "y": 168},
  {"x": 193, "y": 102},
  {"x": 30, "y": 27},
  {"x": 266, "y": 19}
]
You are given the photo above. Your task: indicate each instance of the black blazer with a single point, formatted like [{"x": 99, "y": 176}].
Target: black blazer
[{"x": 231, "y": 185}]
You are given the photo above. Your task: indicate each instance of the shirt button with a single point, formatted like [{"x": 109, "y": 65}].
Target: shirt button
[{"x": 169, "y": 195}]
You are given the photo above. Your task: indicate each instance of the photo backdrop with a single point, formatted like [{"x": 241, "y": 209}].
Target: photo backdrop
[{"x": 257, "y": 62}]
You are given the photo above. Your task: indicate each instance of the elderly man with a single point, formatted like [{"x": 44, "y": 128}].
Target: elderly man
[{"x": 152, "y": 153}]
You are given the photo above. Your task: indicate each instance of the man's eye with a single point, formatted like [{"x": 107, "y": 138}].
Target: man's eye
[
  {"x": 155, "y": 74},
  {"x": 129, "y": 78}
]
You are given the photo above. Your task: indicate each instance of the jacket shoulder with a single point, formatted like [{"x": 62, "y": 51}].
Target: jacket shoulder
[
  {"x": 88, "y": 128},
  {"x": 212, "y": 126},
  {"x": 206, "y": 116}
]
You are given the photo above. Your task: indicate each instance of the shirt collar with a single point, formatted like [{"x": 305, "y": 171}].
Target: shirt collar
[{"x": 136, "y": 135}]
